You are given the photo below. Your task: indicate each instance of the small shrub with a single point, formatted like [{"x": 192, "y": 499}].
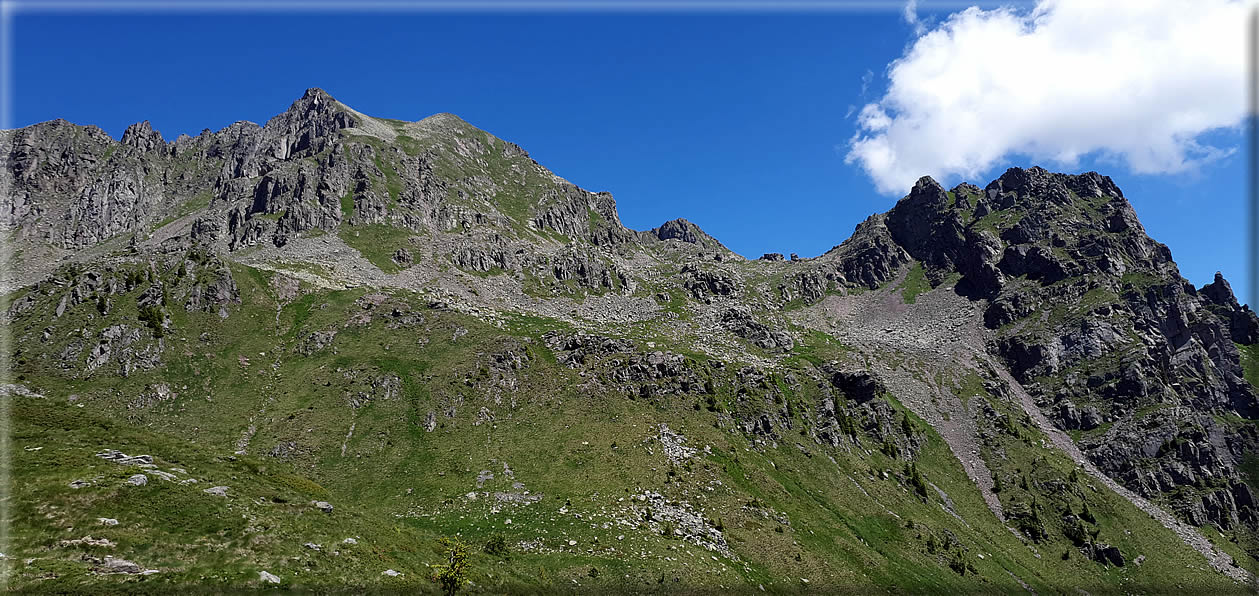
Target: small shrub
[
  {"x": 890, "y": 449},
  {"x": 496, "y": 545},
  {"x": 1087, "y": 514},
  {"x": 1076, "y": 533},
  {"x": 153, "y": 317},
  {"x": 957, "y": 563},
  {"x": 916, "y": 481}
]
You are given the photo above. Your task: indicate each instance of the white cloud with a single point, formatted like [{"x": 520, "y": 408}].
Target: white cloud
[
  {"x": 910, "y": 12},
  {"x": 1136, "y": 81}
]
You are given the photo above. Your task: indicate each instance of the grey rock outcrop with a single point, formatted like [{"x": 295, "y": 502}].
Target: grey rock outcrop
[
  {"x": 685, "y": 231},
  {"x": 742, "y": 324},
  {"x": 1243, "y": 324}
]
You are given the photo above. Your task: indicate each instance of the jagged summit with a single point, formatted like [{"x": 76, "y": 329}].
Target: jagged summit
[
  {"x": 315, "y": 100},
  {"x": 142, "y": 136},
  {"x": 1027, "y": 222},
  {"x": 1242, "y": 323},
  {"x": 686, "y": 231},
  {"x": 1037, "y": 180},
  {"x": 317, "y": 94}
]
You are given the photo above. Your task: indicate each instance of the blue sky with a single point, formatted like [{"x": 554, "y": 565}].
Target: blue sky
[{"x": 739, "y": 122}]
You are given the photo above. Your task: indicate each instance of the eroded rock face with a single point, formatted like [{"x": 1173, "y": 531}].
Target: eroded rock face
[
  {"x": 1092, "y": 316},
  {"x": 213, "y": 292},
  {"x": 99, "y": 188},
  {"x": 702, "y": 283},
  {"x": 869, "y": 258},
  {"x": 808, "y": 286},
  {"x": 926, "y": 226},
  {"x": 742, "y": 324},
  {"x": 636, "y": 372}
]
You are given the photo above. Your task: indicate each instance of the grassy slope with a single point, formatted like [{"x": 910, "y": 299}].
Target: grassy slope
[
  {"x": 398, "y": 487},
  {"x": 193, "y": 538}
]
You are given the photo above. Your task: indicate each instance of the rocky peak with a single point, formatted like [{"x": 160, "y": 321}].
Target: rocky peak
[
  {"x": 142, "y": 136},
  {"x": 965, "y": 191},
  {"x": 1022, "y": 181},
  {"x": 316, "y": 96},
  {"x": 1219, "y": 292},
  {"x": 1092, "y": 184},
  {"x": 1243, "y": 325},
  {"x": 313, "y": 101},
  {"x": 306, "y": 127},
  {"x": 52, "y": 156},
  {"x": 1040, "y": 183},
  {"x": 925, "y": 224},
  {"x": 681, "y": 229},
  {"x": 1027, "y": 223},
  {"x": 927, "y": 192}
]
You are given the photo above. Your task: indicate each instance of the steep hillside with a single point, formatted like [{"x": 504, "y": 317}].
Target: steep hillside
[{"x": 342, "y": 344}]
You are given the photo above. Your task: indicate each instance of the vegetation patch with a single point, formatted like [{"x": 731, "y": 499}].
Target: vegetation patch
[
  {"x": 377, "y": 243},
  {"x": 1250, "y": 363},
  {"x": 347, "y": 206},
  {"x": 915, "y": 284}
]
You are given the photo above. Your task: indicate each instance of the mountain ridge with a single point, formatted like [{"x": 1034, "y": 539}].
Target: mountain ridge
[
  {"x": 410, "y": 284},
  {"x": 314, "y": 98}
]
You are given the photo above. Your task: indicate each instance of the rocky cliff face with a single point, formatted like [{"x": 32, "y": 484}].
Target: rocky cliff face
[
  {"x": 953, "y": 306},
  {"x": 1092, "y": 316}
]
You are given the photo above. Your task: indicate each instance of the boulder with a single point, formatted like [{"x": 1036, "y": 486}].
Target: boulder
[{"x": 859, "y": 386}]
